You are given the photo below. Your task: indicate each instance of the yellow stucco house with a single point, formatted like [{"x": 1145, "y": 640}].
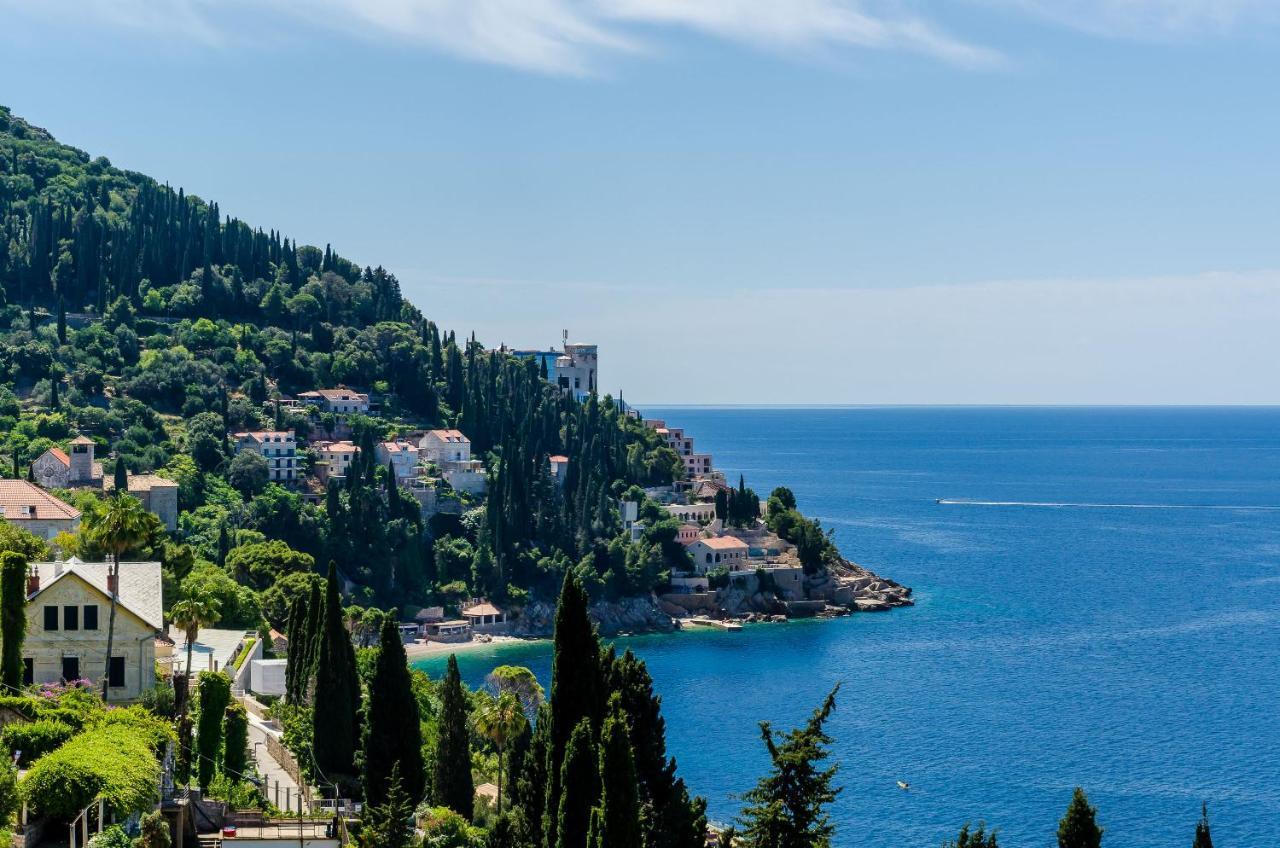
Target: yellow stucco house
[{"x": 68, "y": 607}]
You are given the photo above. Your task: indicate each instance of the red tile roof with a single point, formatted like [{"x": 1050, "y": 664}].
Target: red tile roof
[
  {"x": 16, "y": 494},
  {"x": 60, "y": 455},
  {"x": 723, "y": 543}
]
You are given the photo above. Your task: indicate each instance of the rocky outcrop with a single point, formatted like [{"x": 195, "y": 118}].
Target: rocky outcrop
[
  {"x": 627, "y": 615},
  {"x": 842, "y": 589}
]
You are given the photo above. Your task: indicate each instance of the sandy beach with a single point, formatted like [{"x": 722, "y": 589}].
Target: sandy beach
[{"x": 428, "y": 648}]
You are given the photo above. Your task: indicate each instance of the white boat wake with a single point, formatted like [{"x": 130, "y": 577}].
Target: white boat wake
[{"x": 1068, "y": 505}]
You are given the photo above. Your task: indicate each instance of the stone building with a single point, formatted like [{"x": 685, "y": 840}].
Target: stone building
[
  {"x": 718, "y": 552},
  {"x": 29, "y": 507},
  {"x": 68, "y": 604},
  {"x": 58, "y": 469},
  {"x": 158, "y": 495}
]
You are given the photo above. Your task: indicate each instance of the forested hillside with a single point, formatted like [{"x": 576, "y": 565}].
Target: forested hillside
[{"x": 142, "y": 317}]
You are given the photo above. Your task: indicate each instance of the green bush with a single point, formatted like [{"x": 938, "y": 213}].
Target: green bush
[
  {"x": 35, "y": 739},
  {"x": 112, "y": 837},
  {"x": 115, "y": 761}
]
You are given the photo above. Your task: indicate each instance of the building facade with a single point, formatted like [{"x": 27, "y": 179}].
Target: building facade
[
  {"x": 278, "y": 448},
  {"x": 401, "y": 457},
  {"x": 158, "y": 496},
  {"x": 68, "y": 605},
  {"x": 718, "y": 552},
  {"x": 27, "y": 506},
  {"x": 339, "y": 401}
]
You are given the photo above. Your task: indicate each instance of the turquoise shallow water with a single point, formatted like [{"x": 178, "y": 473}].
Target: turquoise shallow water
[{"x": 1117, "y": 643}]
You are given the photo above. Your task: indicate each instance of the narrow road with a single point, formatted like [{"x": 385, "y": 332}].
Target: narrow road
[{"x": 280, "y": 788}]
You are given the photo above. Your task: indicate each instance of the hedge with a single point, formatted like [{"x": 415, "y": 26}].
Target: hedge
[
  {"x": 114, "y": 761},
  {"x": 35, "y": 738}
]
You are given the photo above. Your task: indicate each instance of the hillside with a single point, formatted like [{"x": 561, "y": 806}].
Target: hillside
[{"x": 136, "y": 315}]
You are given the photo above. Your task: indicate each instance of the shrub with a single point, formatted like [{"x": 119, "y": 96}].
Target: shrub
[
  {"x": 115, "y": 761},
  {"x": 155, "y": 831},
  {"x": 112, "y": 837},
  {"x": 35, "y": 739}
]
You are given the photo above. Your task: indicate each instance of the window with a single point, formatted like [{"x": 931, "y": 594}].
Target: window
[
  {"x": 91, "y": 617},
  {"x": 70, "y": 668},
  {"x": 71, "y": 618},
  {"x": 28, "y": 671},
  {"x": 115, "y": 677},
  {"x": 50, "y": 618}
]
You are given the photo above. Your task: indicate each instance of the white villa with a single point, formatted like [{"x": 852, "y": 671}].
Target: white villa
[
  {"x": 338, "y": 455},
  {"x": 401, "y": 456},
  {"x": 702, "y": 513},
  {"x": 451, "y": 450},
  {"x": 278, "y": 448},
  {"x": 340, "y": 401},
  {"x": 68, "y": 605}
]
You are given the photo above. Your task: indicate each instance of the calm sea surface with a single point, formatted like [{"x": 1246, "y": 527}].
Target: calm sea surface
[{"x": 1122, "y": 633}]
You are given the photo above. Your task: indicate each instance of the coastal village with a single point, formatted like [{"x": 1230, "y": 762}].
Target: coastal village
[{"x": 737, "y": 572}]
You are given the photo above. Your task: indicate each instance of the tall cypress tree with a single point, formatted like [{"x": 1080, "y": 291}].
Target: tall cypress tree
[
  {"x": 294, "y": 629},
  {"x": 335, "y": 714},
  {"x": 1203, "y": 838},
  {"x": 235, "y": 740},
  {"x": 1079, "y": 826},
  {"x": 121, "y": 476},
  {"x": 215, "y": 695},
  {"x": 579, "y": 788},
  {"x": 453, "y": 786},
  {"x": 13, "y": 618},
  {"x": 618, "y": 822},
  {"x": 673, "y": 819},
  {"x": 393, "y": 735},
  {"x": 576, "y": 688}
]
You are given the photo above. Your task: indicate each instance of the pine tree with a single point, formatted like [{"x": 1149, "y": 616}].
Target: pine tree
[
  {"x": 393, "y": 734},
  {"x": 1203, "y": 839},
  {"x": 786, "y": 808},
  {"x": 335, "y": 714},
  {"x": 389, "y": 824},
  {"x": 1079, "y": 827},
  {"x": 979, "y": 838},
  {"x": 619, "y": 811},
  {"x": 579, "y": 788},
  {"x": 576, "y": 688},
  {"x": 453, "y": 786},
  {"x": 13, "y": 618}
]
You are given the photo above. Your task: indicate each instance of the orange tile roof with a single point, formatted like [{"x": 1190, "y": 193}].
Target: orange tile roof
[
  {"x": 15, "y": 494},
  {"x": 60, "y": 455},
  {"x": 723, "y": 543},
  {"x": 558, "y": 458}
]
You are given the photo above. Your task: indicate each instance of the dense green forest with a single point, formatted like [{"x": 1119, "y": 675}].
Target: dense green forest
[{"x": 143, "y": 318}]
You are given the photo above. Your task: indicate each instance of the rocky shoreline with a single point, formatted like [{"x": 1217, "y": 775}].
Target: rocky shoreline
[{"x": 843, "y": 589}]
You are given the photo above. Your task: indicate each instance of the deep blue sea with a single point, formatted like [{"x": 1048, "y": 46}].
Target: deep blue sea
[{"x": 1122, "y": 633}]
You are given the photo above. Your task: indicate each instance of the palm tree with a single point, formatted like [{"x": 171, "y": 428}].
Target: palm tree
[
  {"x": 122, "y": 526},
  {"x": 500, "y": 720},
  {"x": 190, "y": 614}
]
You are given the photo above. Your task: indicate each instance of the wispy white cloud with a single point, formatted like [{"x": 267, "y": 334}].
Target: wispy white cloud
[
  {"x": 1153, "y": 19},
  {"x": 803, "y": 25},
  {"x": 549, "y": 36}
]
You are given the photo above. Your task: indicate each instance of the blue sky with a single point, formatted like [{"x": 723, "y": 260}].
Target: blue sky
[{"x": 982, "y": 201}]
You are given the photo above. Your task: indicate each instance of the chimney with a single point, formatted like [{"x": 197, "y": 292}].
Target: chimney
[
  {"x": 113, "y": 584},
  {"x": 33, "y": 580},
  {"x": 57, "y": 568}
]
